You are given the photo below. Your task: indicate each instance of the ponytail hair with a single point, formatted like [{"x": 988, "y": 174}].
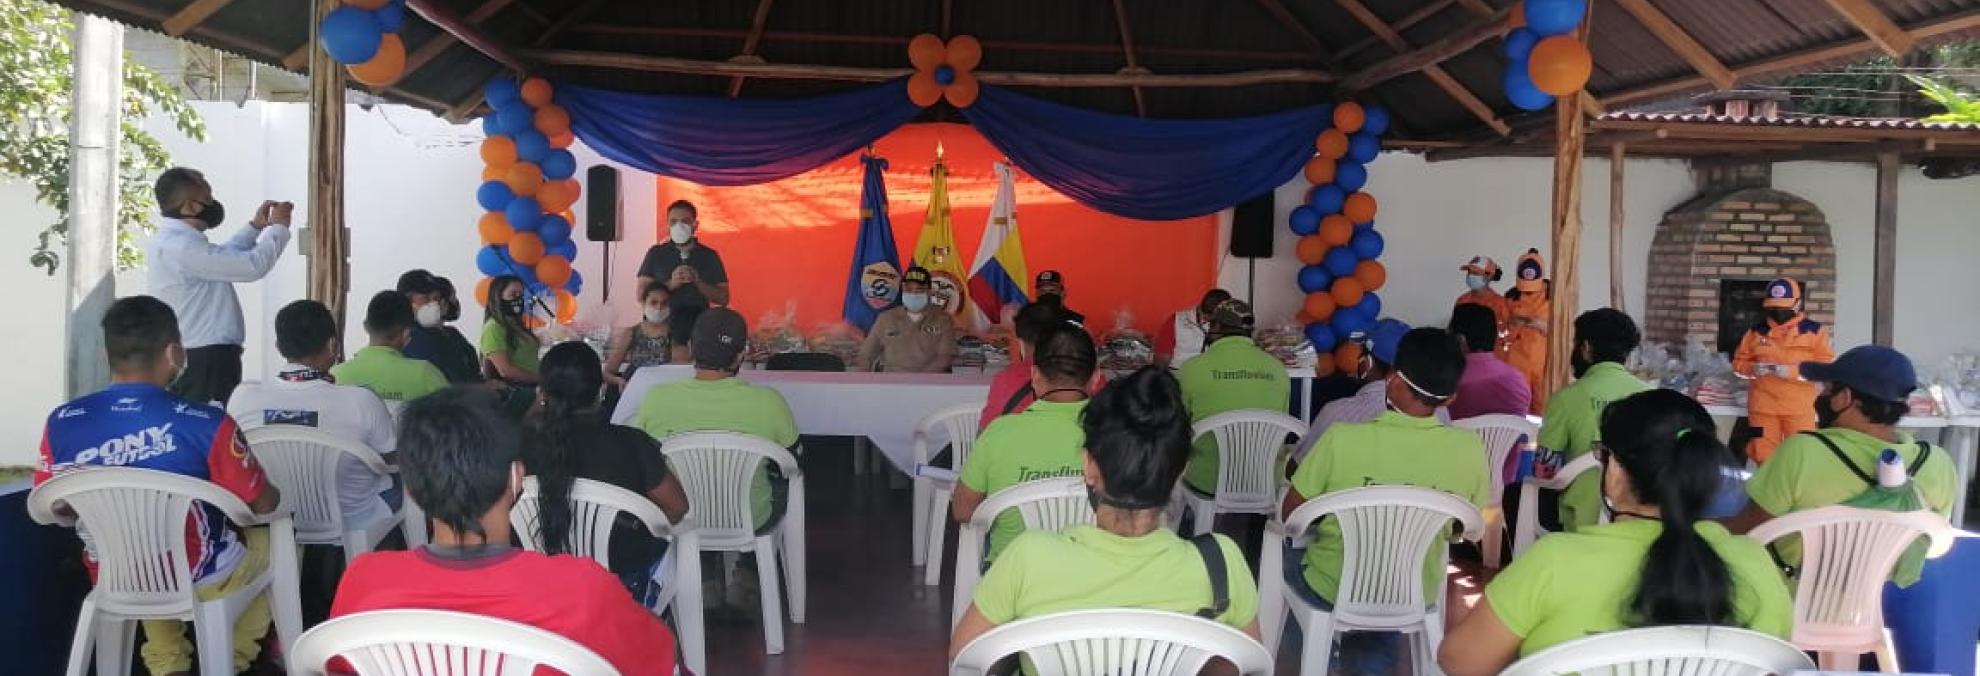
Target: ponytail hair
[
  {"x": 570, "y": 380},
  {"x": 1137, "y": 432},
  {"x": 1670, "y": 448}
]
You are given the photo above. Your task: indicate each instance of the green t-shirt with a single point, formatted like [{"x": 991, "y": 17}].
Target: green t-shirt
[
  {"x": 726, "y": 405},
  {"x": 1084, "y": 567},
  {"x": 494, "y": 340},
  {"x": 1043, "y": 442},
  {"x": 1803, "y": 474},
  {"x": 1572, "y": 425},
  {"x": 1231, "y": 375},
  {"x": 1572, "y": 585},
  {"x": 1391, "y": 450},
  {"x": 389, "y": 374}
]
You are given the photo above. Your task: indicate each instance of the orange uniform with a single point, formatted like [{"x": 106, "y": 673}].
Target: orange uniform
[
  {"x": 1525, "y": 344},
  {"x": 1780, "y": 403}
]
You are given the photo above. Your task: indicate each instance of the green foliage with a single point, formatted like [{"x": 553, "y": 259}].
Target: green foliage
[
  {"x": 1858, "y": 90},
  {"x": 1960, "y": 106},
  {"x": 35, "y": 86}
]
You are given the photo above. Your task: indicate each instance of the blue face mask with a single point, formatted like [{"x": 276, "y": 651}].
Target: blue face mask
[
  {"x": 914, "y": 302},
  {"x": 1475, "y": 282}
]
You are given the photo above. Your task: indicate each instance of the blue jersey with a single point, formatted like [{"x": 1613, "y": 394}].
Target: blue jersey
[{"x": 144, "y": 426}]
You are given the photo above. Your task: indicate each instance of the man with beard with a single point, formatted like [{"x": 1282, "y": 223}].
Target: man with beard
[
  {"x": 1783, "y": 401},
  {"x": 1603, "y": 339}
]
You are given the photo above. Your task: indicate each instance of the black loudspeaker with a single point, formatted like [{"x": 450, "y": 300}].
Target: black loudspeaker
[
  {"x": 602, "y": 205},
  {"x": 1251, "y": 228}
]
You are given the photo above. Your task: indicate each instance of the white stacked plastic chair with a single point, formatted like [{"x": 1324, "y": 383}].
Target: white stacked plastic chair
[
  {"x": 1847, "y": 553},
  {"x": 440, "y": 643},
  {"x": 1386, "y": 532},
  {"x": 716, "y": 469},
  {"x": 303, "y": 462},
  {"x": 1114, "y": 643},
  {"x": 1501, "y": 434},
  {"x": 1048, "y": 504},
  {"x": 1667, "y": 651},
  {"x": 595, "y": 509},
  {"x": 1529, "y": 498},
  {"x": 931, "y": 496},
  {"x": 136, "y": 520},
  {"x": 1248, "y": 446}
]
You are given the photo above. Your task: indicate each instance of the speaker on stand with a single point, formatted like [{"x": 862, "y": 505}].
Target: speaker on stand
[
  {"x": 603, "y": 206},
  {"x": 1251, "y": 237}
]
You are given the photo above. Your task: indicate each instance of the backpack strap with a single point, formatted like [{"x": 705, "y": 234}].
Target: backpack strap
[
  {"x": 1220, "y": 582},
  {"x": 1018, "y": 398},
  {"x": 1844, "y": 458},
  {"x": 1924, "y": 450}
]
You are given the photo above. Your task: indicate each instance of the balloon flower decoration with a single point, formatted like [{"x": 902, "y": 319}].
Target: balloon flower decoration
[
  {"x": 364, "y": 36},
  {"x": 943, "y": 71},
  {"x": 1546, "y": 60},
  {"x": 1338, "y": 242},
  {"x": 527, "y": 191}
]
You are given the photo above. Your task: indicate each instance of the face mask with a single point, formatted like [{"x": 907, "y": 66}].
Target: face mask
[
  {"x": 681, "y": 232},
  {"x": 430, "y": 314},
  {"x": 1474, "y": 282},
  {"x": 515, "y": 307},
  {"x": 914, "y": 302},
  {"x": 1825, "y": 413},
  {"x": 1780, "y": 315},
  {"x": 657, "y": 315},
  {"x": 213, "y": 215}
]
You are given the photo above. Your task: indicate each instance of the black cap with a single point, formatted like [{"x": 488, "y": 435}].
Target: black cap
[
  {"x": 720, "y": 335},
  {"x": 917, "y": 274},
  {"x": 1874, "y": 370},
  {"x": 1233, "y": 316},
  {"x": 1049, "y": 277}
]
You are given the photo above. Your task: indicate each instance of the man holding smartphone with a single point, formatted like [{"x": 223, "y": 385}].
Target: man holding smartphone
[{"x": 196, "y": 277}]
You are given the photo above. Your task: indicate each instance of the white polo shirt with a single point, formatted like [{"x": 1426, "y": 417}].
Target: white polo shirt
[
  {"x": 196, "y": 277},
  {"x": 345, "y": 411}
]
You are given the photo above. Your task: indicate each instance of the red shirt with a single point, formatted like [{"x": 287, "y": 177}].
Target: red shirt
[
  {"x": 1013, "y": 386},
  {"x": 570, "y": 596}
]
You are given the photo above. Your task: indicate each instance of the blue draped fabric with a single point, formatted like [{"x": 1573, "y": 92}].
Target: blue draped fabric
[
  {"x": 1148, "y": 169},
  {"x": 726, "y": 142}
]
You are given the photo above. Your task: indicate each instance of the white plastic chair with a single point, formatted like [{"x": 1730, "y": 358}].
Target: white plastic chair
[
  {"x": 715, "y": 469},
  {"x": 1501, "y": 434},
  {"x": 1114, "y": 643},
  {"x": 1529, "y": 498},
  {"x": 1248, "y": 481},
  {"x": 440, "y": 643},
  {"x": 595, "y": 509},
  {"x": 136, "y": 521},
  {"x": 1386, "y": 532},
  {"x": 303, "y": 462},
  {"x": 1672, "y": 651},
  {"x": 1046, "y": 504},
  {"x": 1847, "y": 553},
  {"x": 931, "y": 496}
]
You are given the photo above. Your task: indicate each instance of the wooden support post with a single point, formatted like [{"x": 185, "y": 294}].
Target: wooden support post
[
  {"x": 329, "y": 241},
  {"x": 1616, "y": 160},
  {"x": 755, "y": 37},
  {"x": 1570, "y": 139},
  {"x": 98, "y": 73},
  {"x": 1883, "y": 304},
  {"x": 1127, "y": 52}
]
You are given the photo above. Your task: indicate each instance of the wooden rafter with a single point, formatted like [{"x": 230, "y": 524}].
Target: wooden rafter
[
  {"x": 785, "y": 71},
  {"x": 446, "y": 20},
  {"x": 185, "y": 19},
  {"x": 1443, "y": 49},
  {"x": 441, "y": 42},
  {"x": 1246, "y": 55},
  {"x": 565, "y": 22},
  {"x": 1405, "y": 23},
  {"x": 1680, "y": 42},
  {"x": 755, "y": 37},
  {"x": 1277, "y": 8},
  {"x": 1127, "y": 50},
  {"x": 1477, "y": 7},
  {"x": 1875, "y": 25},
  {"x": 1436, "y": 73}
]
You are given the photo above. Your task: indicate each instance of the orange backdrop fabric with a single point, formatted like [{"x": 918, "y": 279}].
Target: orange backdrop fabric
[{"x": 788, "y": 244}]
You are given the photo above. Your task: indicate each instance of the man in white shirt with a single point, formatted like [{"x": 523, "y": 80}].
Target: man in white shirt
[
  {"x": 1183, "y": 338},
  {"x": 196, "y": 277},
  {"x": 1378, "y": 359},
  {"x": 304, "y": 394}
]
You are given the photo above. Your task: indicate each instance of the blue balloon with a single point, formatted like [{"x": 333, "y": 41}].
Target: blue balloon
[
  {"x": 533, "y": 146},
  {"x": 524, "y": 214},
  {"x": 494, "y": 195},
  {"x": 1348, "y": 321},
  {"x": 558, "y": 164},
  {"x": 1327, "y": 199},
  {"x": 1367, "y": 244},
  {"x": 1364, "y": 226},
  {"x": 1370, "y": 305},
  {"x": 528, "y": 275},
  {"x": 1521, "y": 90},
  {"x": 1340, "y": 261},
  {"x": 1374, "y": 120},
  {"x": 553, "y": 229},
  {"x": 576, "y": 284},
  {"x": 1549, "y": 18},
  {"x": 502, "y": 92},
  {"x": 1322, "y": 337},
  {"x": 567, "y": 248},
  {"x": 1350, "y": 175},
  {"x": 492, "y": 261},
  {"x": 1305, "y": 220},
  {"x": 351, "y": 35},
  {"x": 945, "y": 75},
  {"x": 1314, "y": 278},
  {"x": 392, "y": 16},
  {"x": 1363, "y": 147},
  {"x": 1519, "y": 43},
  {"x": 516, "y": 121}
]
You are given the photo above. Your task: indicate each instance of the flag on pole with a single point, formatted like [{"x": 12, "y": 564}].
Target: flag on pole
[
  {"x": 998, "y": 279},
  {"x": 936, "y": 248},
  {"x": 874, "y": 283}
]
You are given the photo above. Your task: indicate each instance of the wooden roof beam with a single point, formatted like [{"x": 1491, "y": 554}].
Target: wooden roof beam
[
  {"x": 1402, "y": 24},
  {"x": 1680, "y": 42},
  {"x": 427, "y": 50},
  {"x": 1127, "y": 50},
  {"x": 1436, "y": 73},
  {"x": 1442, "y": 50},
  {"x": 454, "y": 24},
  {"x": 190, "y": 16},
  {"x": 1875, "y": 25},
  {"x": 1278, "y": 10},
  {"x": 785, "y": 71},
  {"x": 755, "y": 37},
  {"x": 988, "y": 45}
]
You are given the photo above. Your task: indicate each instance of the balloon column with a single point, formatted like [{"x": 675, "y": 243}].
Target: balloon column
[
  {"x": 1338, "y": 242},
  {"x": 364, "y": 36},
  {"x": 1546, "y": 60},
  {"x": 527, "y": 189}
]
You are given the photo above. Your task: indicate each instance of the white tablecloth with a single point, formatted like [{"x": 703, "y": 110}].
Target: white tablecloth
[{"x": 883, "y": 407}]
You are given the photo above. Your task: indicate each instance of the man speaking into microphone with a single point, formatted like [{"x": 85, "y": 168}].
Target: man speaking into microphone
[{"x": 196, "y": 277}]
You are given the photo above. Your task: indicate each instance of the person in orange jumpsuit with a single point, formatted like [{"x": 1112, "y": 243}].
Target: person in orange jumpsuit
[
  {"x": 1781, "y": 404},
  {"x": 1525, "y": 345},
  {"x": 1479, "y": 274}
]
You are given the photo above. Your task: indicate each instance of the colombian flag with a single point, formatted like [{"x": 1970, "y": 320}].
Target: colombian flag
[
  {"x": 998, "y": 279},
  {"x": 936, "y": 248}
]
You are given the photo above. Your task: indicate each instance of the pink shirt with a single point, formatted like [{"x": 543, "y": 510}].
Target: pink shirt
[{"x": 1490, "y": 386}]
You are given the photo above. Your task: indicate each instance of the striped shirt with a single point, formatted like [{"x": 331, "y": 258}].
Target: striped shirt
[{"x": 1369, "y": 401}]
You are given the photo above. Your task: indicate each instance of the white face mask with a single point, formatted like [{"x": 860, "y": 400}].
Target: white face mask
[
  {"x": 430, "y": 314},
  {"x": 914, "y": 302},
  {"x": 681, "y": 232},
  {"x": 1475, "y": 282},
  {"x": 657, "y": 315}
]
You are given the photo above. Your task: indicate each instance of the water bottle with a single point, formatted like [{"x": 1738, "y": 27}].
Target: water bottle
[
  {"x": 1525, "y": 466},
  {"x": 1890, "y": 469}
]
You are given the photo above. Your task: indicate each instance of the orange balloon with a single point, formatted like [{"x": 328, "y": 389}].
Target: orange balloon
[
  {"x": 553, "y": 120},
  {"x": 1347, "y": 357},
  {"x": 1319, "y": 305},
  {"x": 498, "y": 151},
  {"x": 1360, "y": 207},
  {"x": 495, "y": 229},
  {"x": 554, "y": 270},
  {"x": 926, "y": 52},
  {"x": 493, "y": 173},
  {"x": 1323, "y": 367},
  {"x": 1560, "y": 65},
  {"x": 923, "y": 90},
  {"x": 526, "y": 248},
  {"x": 563, "y": 140},
  {"x": 964, "y": 53},
  {"x": 523, "y": 178},
  {"x": 368, "y": 4},
  {"x": 536, "y": 92},
  {"x": 557, "y": 196},
  {"x": 1348, "y": 117},
  {"x": 386, "y": 67},
  {"x": 1336, "y": 230},
  {"x": 1347, "y": 291},
  {"x": 963, "y": 91},
  {"x": 533, "y": 322},
  {"x": 1371, "y": 274},
  {"x": 569, "y": 217},
  {"x": 1320, "y": 170},
  {"x": 566, "y": 307},
  {"x": 1332, "y": 144},
  {"x": 481, "y": 290},
  {"x": 1311, "y": 250}
]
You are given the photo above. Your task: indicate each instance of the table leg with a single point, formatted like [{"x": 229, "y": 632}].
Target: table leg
[{"x": 1964, "y": 442}]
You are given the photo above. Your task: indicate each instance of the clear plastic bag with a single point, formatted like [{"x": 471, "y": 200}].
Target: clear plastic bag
[
  {"x": 1125, "y": 348},
  {"x": 775, "y": 333},
  {"x": 839, "y": 339},
  {"x": 1287, "y": 341}
]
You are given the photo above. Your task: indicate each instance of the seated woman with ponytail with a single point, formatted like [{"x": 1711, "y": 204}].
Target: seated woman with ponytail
[
  {"x": 568, "y": 440},
  {"x": 1660, "y": 563}
]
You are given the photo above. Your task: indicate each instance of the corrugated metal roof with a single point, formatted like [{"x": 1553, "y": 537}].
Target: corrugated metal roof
[{"x": 1797, "y": 121}]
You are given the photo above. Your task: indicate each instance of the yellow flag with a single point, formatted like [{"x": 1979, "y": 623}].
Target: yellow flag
[{"x": 936, "y": 249}]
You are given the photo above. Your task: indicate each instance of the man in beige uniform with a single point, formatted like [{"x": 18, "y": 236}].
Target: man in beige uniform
[{"x": 912, "y": 337}]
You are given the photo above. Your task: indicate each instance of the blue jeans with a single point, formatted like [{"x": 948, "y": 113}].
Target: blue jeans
[
  {"x": 1360, "y": 652},
  {"x": 395, "y": 496}
]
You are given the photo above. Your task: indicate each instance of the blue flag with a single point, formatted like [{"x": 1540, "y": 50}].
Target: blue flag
[{"x": 875, "y": 281}]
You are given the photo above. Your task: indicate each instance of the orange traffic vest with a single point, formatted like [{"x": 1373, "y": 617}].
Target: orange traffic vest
[{"x": 1789, "y": 344}]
